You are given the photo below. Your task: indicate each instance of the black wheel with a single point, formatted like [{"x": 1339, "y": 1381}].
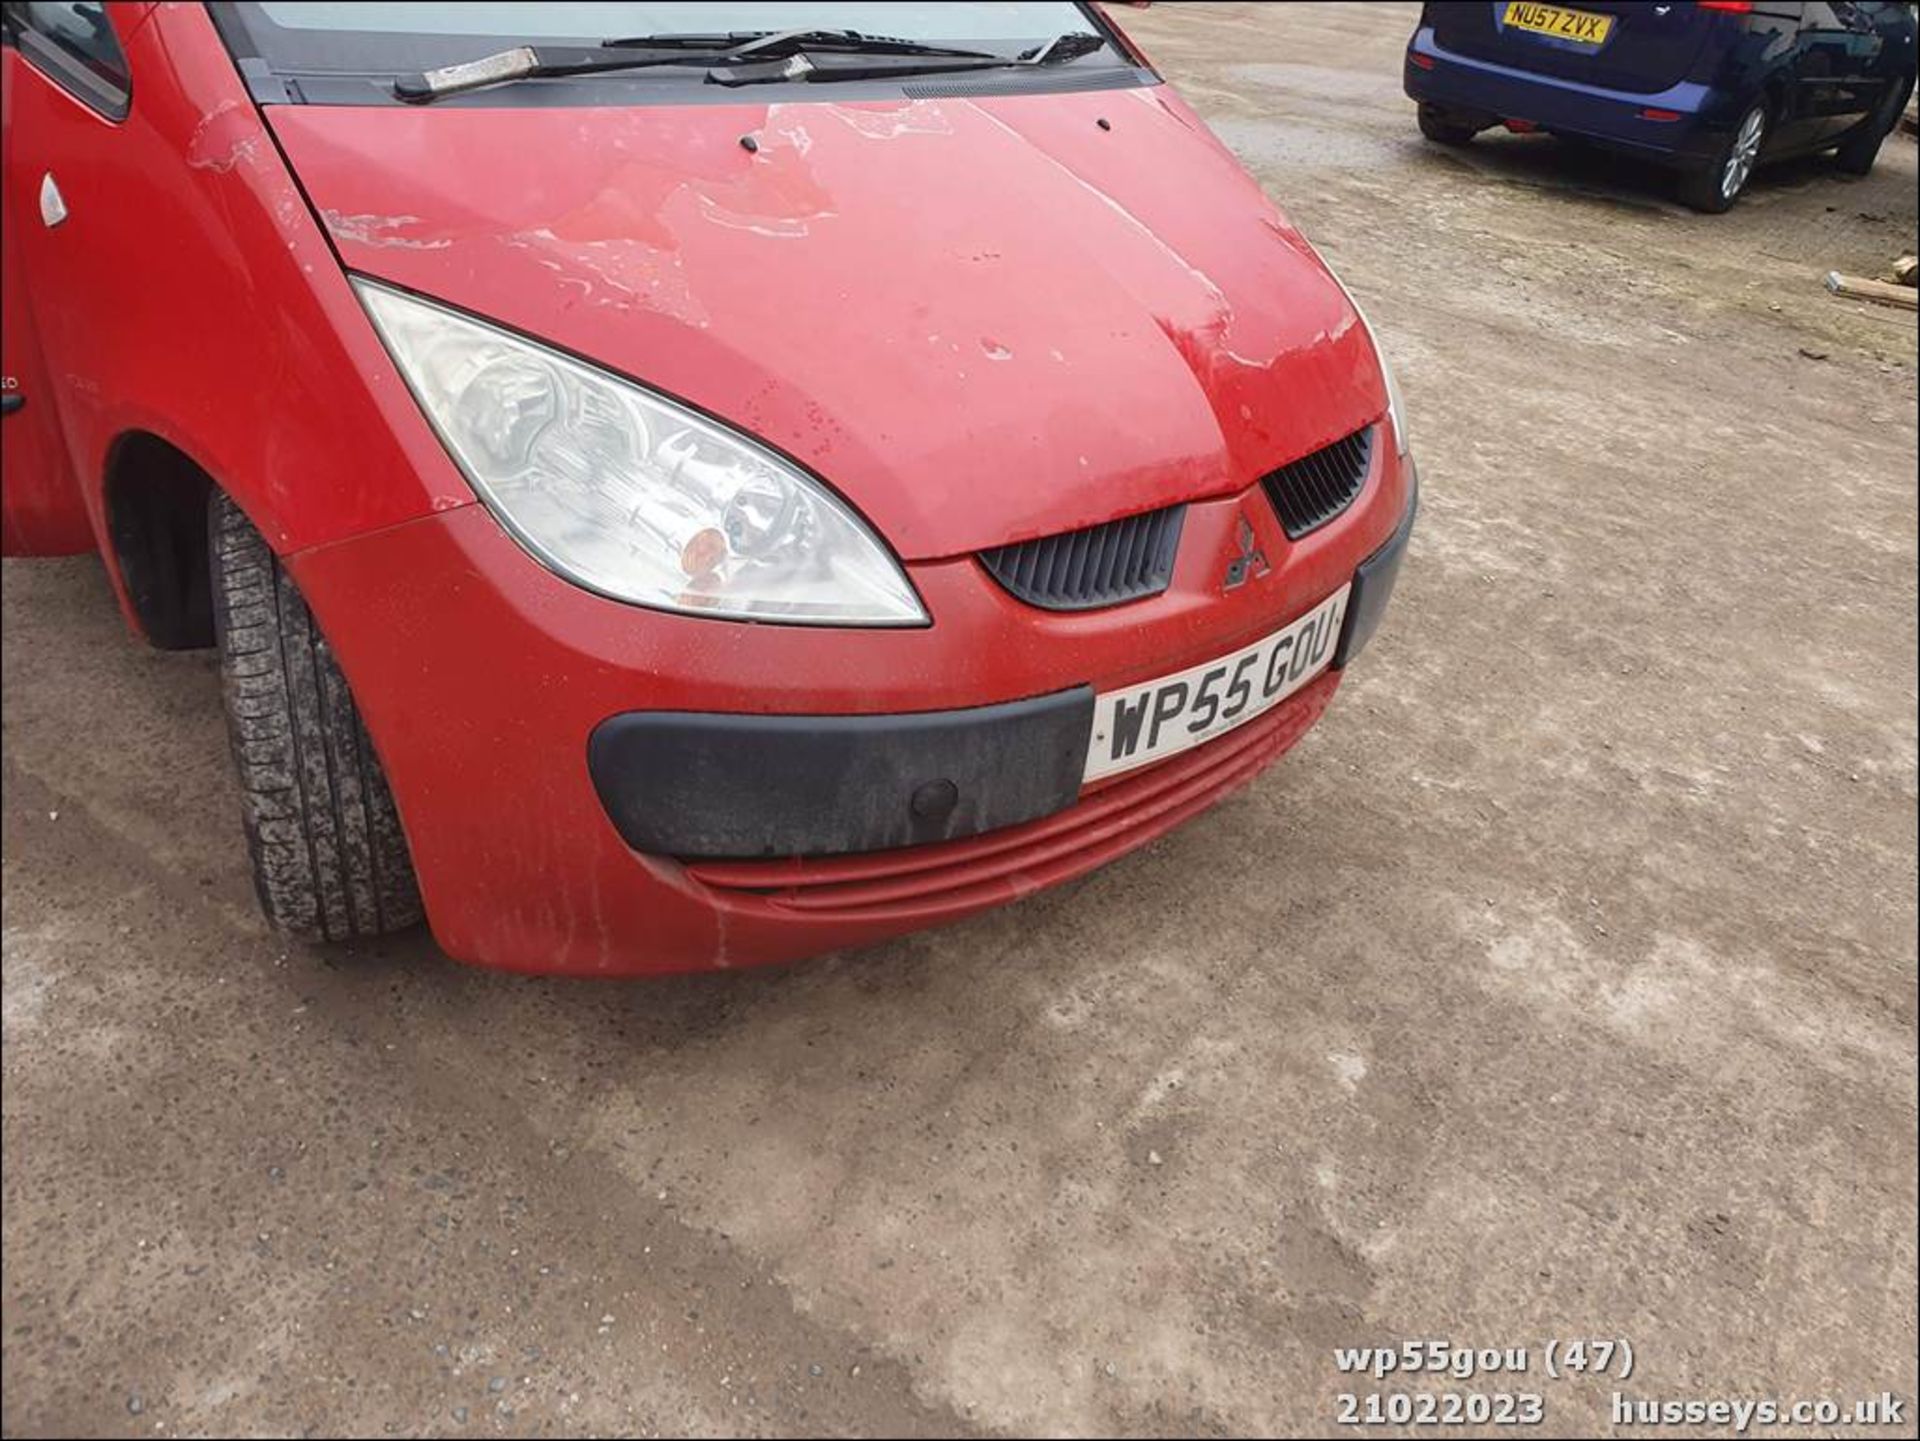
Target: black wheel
[
  {"x": 1435, "y": 125},
  {"x": 1714, "y": 187},
  {"x": 329, "y": 859},
  {"x": 1860, "y": 149}
]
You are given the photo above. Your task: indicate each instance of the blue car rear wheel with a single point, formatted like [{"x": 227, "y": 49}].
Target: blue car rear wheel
[{"x": 1715, "y": 186}]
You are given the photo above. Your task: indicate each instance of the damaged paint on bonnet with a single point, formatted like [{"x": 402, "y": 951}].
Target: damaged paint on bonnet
[{"x": 980, "y": 319}]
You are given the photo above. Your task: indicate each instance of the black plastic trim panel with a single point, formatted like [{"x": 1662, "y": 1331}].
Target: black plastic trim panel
[
  {"x": 708, "y": 786},
  {"x": 1309, "y": 492},
  {"x": 1108, "y": 564},
  {"x": 1373, "y": 580}
]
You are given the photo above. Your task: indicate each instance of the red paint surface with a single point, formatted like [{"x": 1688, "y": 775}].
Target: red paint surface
[
  {"x": 981, "y": 320},
  {"x": 193, "y": 295}
]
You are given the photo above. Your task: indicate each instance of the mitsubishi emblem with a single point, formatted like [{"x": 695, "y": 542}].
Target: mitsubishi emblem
[{"x": 1251, "y": 561}]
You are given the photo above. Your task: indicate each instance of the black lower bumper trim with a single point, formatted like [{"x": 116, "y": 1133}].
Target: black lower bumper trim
[
  {"x": 1373, "y": 583},
  {"x": 707, "y": 786}
]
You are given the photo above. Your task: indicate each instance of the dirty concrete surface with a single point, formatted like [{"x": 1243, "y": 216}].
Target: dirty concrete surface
[{"x": 1560, "y": 984}]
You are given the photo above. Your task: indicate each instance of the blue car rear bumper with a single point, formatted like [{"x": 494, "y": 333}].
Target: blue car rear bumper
[{"x": 1490, "y": 93}]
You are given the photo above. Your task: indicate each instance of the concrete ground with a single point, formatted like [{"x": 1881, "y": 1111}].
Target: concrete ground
[{"x": 1561, "y": 984}]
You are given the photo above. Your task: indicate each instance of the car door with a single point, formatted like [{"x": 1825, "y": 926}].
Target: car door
[
  {"x": 1771, "y": 50},
  {"x": 1840, "y": 77},
  {"x": 67, "y": 87},
  {"x": 1892, "y": 67},
  {"x": 72, "y": 46}
]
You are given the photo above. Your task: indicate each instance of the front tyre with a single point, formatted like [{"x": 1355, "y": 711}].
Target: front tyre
[
  {"x": 1715, "y": 187},
  {"x": 329, "y": 859}
]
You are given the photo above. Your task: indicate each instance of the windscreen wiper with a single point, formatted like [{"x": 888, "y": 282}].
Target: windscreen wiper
[
  {"x": 815, "y": 63},
  {"x": 776, "y": 44},
  {"x": 532, "y": 62},
  {"x": 769, "y": 55},
  {"x": 640, "y": 52}
]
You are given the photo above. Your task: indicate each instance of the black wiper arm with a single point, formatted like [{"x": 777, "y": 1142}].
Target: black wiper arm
[
  {"x": 638, "y": 52},
  {"x": 1070, "y": 46},
  {"x": 768, "y": 55},
  {"x": 772, "y": 44},
  {"x": 815, "y": 64},
  {"x": 530, "y": 62}
]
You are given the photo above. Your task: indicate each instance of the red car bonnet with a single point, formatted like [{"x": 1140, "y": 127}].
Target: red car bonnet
[{"x": 980, "y": 319}]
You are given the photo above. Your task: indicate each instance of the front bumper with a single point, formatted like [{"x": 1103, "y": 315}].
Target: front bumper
[
  {"x": 704, "y": 786},
  {"x": 503, "y": 704},
  {"x": 1486, "y": 92}
]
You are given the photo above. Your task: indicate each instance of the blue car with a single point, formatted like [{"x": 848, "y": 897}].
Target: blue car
[{"x": 1712, "y": 89}]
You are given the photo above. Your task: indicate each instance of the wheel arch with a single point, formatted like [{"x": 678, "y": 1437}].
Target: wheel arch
[
  {"x": 1773, "y": 96},
  {"x": 154, "y": 498}
]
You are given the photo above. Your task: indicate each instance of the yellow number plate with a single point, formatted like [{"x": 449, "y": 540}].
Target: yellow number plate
[{"x": 1582, "y": 27}]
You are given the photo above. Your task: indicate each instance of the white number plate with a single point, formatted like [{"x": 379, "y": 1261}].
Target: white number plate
[{"x": 1146, "y": 723}]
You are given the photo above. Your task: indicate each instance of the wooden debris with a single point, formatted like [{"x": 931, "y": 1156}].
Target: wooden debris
[{"x": 1878, "y": 291}]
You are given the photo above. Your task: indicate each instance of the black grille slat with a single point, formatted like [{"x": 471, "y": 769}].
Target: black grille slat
[
  {"x": 1137, "y": 539},
  {"x": 1082, "y": 552},
  {"x": 1126, "y": 559},
  {"x": 1310, "y": 491},
  {"x": 1314, "y": 491}
]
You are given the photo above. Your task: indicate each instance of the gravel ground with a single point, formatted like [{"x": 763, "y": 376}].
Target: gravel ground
[{"x": 1560, "y": 984}]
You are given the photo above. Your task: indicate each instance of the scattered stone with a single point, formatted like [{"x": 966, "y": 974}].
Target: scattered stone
[
  {"x": 1154, "y": 1159},
  {"x": 460, "y": 1415},
  {"x": 135, "y": 1405},
  {"x": 497, "y": 1384},
  {"x": 816, "y": 1369}
]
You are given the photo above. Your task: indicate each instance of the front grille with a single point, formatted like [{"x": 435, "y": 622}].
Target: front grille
[
  {"x": 1084, "y": 569},
  {"x": 1312, "y": 490}
]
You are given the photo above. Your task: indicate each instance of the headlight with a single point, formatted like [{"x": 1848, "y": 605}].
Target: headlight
[
  {"x": 625, "y": 492},
  {"x": 1396, "y": 411}
]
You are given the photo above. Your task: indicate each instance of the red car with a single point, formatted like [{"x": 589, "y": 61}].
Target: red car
[{"x": 679, "y": 486}]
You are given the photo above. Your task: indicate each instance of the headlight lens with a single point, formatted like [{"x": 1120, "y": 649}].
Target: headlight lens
[
  {"x": 629, "y": 494},
  {"x": 1396, "y": 410}
]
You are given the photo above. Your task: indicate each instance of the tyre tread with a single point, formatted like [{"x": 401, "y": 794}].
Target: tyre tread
[{"x": 328, "y": 854}]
